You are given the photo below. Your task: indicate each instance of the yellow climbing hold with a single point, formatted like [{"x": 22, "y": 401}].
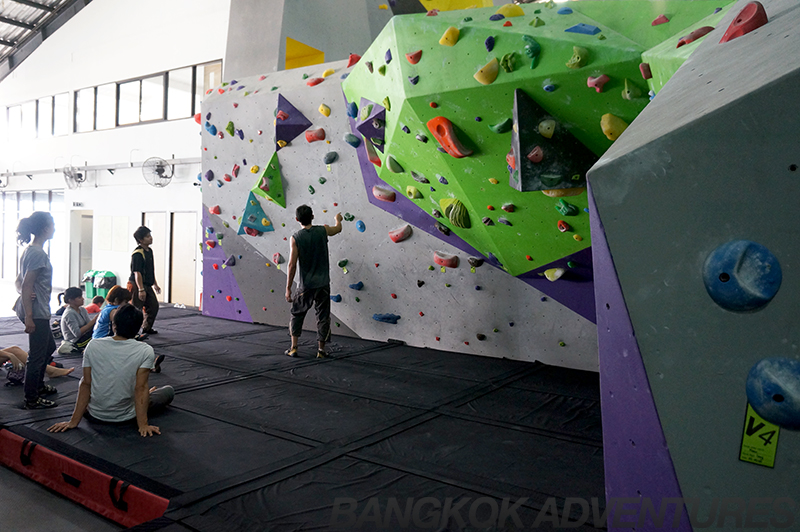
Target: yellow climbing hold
[
  {"x": 554, "y": 274},
  {"x": 413, "y": 192},
  {"x": 487, "y": 74},
  {"x": 562, "y": 192},
  {"x": 324, "y": 109},
  {"x": 254, "y": 169},
  {"x": 383, "y": 6},
  {"x": 493, "y": 181},
  {"x": 612, "y": 126},
  {"x": 510, "y": 10},
  {"x": 450, "y": 37},
  {"x": 265, "y": 222},
  {"x": 547, "y": 128},
  {"x": 328, "y": 72},
  {"x": 281, "y": 143},
  {"x": 387, "y": 104},
  {"x": 577, "y": 237}
]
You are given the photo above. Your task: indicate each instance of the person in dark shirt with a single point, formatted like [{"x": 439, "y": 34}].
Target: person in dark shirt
[
  {"x": 309, "y": 247},
  {"x": 142, "y": 282}
]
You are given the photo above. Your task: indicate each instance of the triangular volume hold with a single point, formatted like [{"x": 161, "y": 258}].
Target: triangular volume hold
[
  {"x": 254, "y": 220},
  {"x": 289, "y": 123},
  {"x": 270, "y": 182}
]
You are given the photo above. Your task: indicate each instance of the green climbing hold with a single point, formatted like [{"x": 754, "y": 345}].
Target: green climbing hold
[
  {"x": 358, "y": 300},
  {"x": 431, "y": 268},
  {"x": 305, "y": 76},
  {"x": 507, "y": 61},
  {"x": 495, "y": 330},
  {"x": 456, "y": 212},
  {"x": 382, "y": 70},
  {"x": 230, "y": 129},
  {"x": 413, "y": 192},
  {"x": 342, "y": 263},
  {"x": 365, "y": 111},
  {"x": 387, "y": 104},
  {"x": 311, "y": 189},
  {"x": 349, "y": 217},
  {"x": 536, "y": 22},
  {"x": 322, "y": 180},
  {"x": 567, "y": 209},
  {"x": 467, "y": 19},
  {"x": 394, "y": 166},
  {"x": 274, "y": 88},
  {"x": 503, "y": 127},
  {"x": 571, "y": 264}
]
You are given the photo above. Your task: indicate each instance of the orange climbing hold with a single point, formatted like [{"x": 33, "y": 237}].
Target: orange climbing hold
[
  {"x": 215, "y": 209},
  {"x": 507, "y": 23},
  {"x": 313, "y": 135},
  {"x": 352, "y": 60},
  {"x": 563, "y": 226},
  {"x": 510, "y": 160},
  {"x": 414, "y": 57},
  {"x": 443, "y": 131},
  {"x": 314, "y": 81}
]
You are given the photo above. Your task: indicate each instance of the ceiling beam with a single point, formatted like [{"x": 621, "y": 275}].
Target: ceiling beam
[
  {"x": 37, "y": 5},
  {"x": 7, "y": 43},
  {"x": 18, "y": 23}
]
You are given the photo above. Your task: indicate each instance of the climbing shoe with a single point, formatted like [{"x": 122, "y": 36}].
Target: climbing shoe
[
  {"x": 38, "y": 404},
  {"x": 291, "y": 352}
]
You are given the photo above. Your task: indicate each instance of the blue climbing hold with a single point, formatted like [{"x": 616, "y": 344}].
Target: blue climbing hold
[
  {"x": 489, "y": 43},
  {"x": 352, "y": 110},
  {"x": 336, "y": 299},
  {"x": 388, "y": 56},
  {"x": 442, "y": 180},
  {"x": 386, "y": 318},
  {"x": 352, "y": 140},
  {"x": 586, "y": 29},
  {"x": 209, "y": 175},
  {"x": 357, "y": 286},
  {"x": 565, "y": 11},
  {"x": 773, "y": 390},
  {"x": 413, "y": 79},
  {"x": 549, "y": 87},
  {"x": 361, "y": 226},
  {"x": 497, "y": 16},
  {"x": 742, "y": 275},
  {"x": 211, "y": 128}
]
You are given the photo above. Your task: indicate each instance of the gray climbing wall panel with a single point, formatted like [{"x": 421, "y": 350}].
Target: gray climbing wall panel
[
  {"x": 447, "y": 312},
  {"x": 713, "y": 158}
]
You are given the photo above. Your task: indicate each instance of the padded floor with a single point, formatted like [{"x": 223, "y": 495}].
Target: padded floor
[{"x": 256, "y": 440}]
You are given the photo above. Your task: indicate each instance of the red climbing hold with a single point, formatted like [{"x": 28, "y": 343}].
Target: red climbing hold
[
  {"x": 227, "y": 178},
  {"x": 221, "y": 91},
  {"x": 661, "y": 19},
  {"x": 510, "y": 160},
  {"x": 597, "y": 82},
  {"x": 198, "y": 118},
  {"x": 696, "y": 34},
  {"x": 442, "y": 129},
  {"x": 528, "y": 257},
  {"x": 281, "y": 115},
  {"x": 215, "y": 209},
  {"x": 467, "y": 343},
  {"x": 644, "y": 68},
  {"x": 352, "y": 60},
  {"x": 400, "y": 234},
  {"x": 252, "y": 232},
  {"x": 313, "y": 135},
  {"x": 445, "y": 259},
  {"x": 314, "y": 81},
  {"x": 421, "y": 314},
  {"x": 229, "y": 298},
  {"x": 563, "y": 226},
  {"x": 437, "y": 338},
  {"x": 536, "y": 155},
  {"x": 335, "y": 204},
  {"x": 211, "y": 243},
  {"x": 490, "y": 207},
  {"x": 394, "y": 296},
  {"x": 751, "y": 17},
  {"x": 432, "y": 13},
  {"x": 215, "y": 266},
  {"x": 235, "y": 170},
  {"x": 376, "y": 264},
  {"x": 414, "y": 57},
  {"x": 434, "y": 105},
  {"x": 507, "y": 23}
]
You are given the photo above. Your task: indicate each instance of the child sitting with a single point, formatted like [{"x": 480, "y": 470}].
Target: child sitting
[
  {"x": 116, "y": 296},
  {"x": 97, "y": 302},
  {"x": 76, "y": 325}
]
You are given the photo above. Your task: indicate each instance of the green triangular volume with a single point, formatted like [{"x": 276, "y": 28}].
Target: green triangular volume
[{"x": 270, "y": 183}]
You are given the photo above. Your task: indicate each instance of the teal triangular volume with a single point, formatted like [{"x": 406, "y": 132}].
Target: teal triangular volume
[{"x": 254, "y": 217}]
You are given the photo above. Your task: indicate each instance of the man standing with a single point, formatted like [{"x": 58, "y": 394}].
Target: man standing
[
  {"x": 114, "y": 387},
  {"x": 309, "y": 246},
  {"x": 142, "y": 282}
]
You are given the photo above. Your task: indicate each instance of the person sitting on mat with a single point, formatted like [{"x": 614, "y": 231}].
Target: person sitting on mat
[
  {"x": 94, "y": 307},
  {"x": 310, "y": 248},
  {"x": 17, "y": 358},
  {"x": 76, "y": 325},
  {"x": 114, "y": 388},
  {"x": 116, "y": 296}
]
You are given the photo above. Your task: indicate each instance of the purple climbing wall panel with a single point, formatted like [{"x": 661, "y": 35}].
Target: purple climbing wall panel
[
  {"x": 637, "y": 460},
  {"x": 219, "y": 284}
]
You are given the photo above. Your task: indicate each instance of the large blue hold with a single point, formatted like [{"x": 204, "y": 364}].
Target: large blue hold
[
  {"x": 586, "y": 29},
  {"x": 742, "y": 275},
  {"x": 357, "y": 286},
  {"x": 386, "y": 318},
  {"x": 336, "y": 298},
  {"x": 773, "y": 390}
]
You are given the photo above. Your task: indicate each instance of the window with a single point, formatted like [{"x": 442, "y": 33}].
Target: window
[
  {"x": 153, "y": 98},
  {"x": 14, "y": 121},
  {"x": 129, "y": 95},
  {"x": 179, "y": 93},
  {"x": 208, "y": 77},
  {"x": 45, "y": 123},
  {"x": 29, "y": 119},
  {"x": 10, "y": 222},
  {"x": 61, "y": 121},
  {"x": 84, "y": 110},
  {"x": 106, "y": 117}
]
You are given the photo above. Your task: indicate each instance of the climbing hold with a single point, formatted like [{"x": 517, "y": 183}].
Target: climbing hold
[
  {"x": 330, "y": 157},
  {"x": 209, "y": 175},
  {"x": 414, "y": 57},
  {"x": 413, "y": 192},
  {"x": 696, "y": 34},
  {"x": 229, "y": 298},
  {"x": 211, "y": 128},
  {"x": 413, "y": 79},
  {"x": 456, "y": 212},
  {"x": 314, "y": 81},
  {"x": 597, "y": 82},
  {"x": 577, "y": 238},
  {"x": 388, "y": 56},
  {"x": 386, "y": 318},
  {"x": 536, "y": 155},
  {"x": 536, "y": 22},
  {"x": 387, "y": 104},
  {"x": 394, "y": 296},
  {"x": 496, "y": 17},
  {"x": 254, "y": 169},
  {"x": 507, "y": 23},
  {"x": 753, "y": 16},
  {"x": 313, "y": 135},
  {"x": 421, "y": 314},
  {"x": 644, "y": 68},
  {"x": 554, "y": 274},
  {"x": 382, "y": 70},
  {"x": 383, "y": 193},
  {"x": 475, "y": 262},
  {"x": 324, "y": 109},
  {"x": 353, "y": 59},
  {"x": 488, "y": 73},
  {"x": 432, "y": 13},
  {"x": 450, "y": 37},
  {"x": 348, "y": 217},
  {"x": 311, "y": 189},
  {"x": 394, "y": 166},
  {"x": 420, "y": 283},
  {"x": 281, "y": 143},
  {"x": 564, "y": 11},
  {"x": 419, "y": 177},
  {"x": 443, "y": 131},
  {"x": 281, "y": 115},
  {"x": 773, "y": 390},
  {"x": 487, "y": 221},
  {"x": 503, "y": 220},
  {"x": 442, "y": 180},
  {"x": 357, "y": 286},
  {"x": 211, "y": 244},
  {"x": 549, "y": 87},
  {"x": 372, "y": 155},
  {"x": 215, "y": 210},
  {"x": 510, "y": 10},
  {"x": 433, "y": 105},
  {"x": 368, "y": 64},
  {"x": 508, "y": 61},
  {"x": 661, "y": 19},
  {"x": 422, "y": 138},
  {"x": 328, "y": 72},
  {"x": 741, "y": 275},
  {"x": 360, "y": 226},
  {"x": 400, "y": 234},
  {"x": 630, "y": 91},
  {"x": 336, "y": 298},
  {"x": 480, "y": 337},
  {"x": 508, "y": 207},
  {"x": 216, "y": 267},
  {"x": 352, "y": 110},
  {"x": 445, "y": 259},
  {"x": 230, "y": 129},
  {"x": 503, "y": 127},
  {"x": 563, "y": 226},
  {"x": 580, "y": 56},
  {"x": 612, "y": 126},
  {"x": 352, "y": 140},
  {"x": 567, "y": 209},
  {"x": 342, "y": 263},
  {"x": 547, "y": 128},
  {"x": 489, "y": 43},
  {"x": 377, "y": 141},
  {"x": 585, "y": 29},
  {"x": 277, "y": 258}
]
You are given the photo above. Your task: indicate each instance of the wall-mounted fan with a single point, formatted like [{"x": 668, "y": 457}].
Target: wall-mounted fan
[
  {"x": 157, "y": 172},
  {"x": 73, "y": 177}
]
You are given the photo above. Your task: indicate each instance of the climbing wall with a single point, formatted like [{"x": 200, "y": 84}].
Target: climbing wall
[
  {"x": 480, "y": 310},
  {"x": 711, "y": 162}
]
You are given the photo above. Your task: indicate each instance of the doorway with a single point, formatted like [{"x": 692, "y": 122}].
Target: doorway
[{"x": 183, "y": 263}]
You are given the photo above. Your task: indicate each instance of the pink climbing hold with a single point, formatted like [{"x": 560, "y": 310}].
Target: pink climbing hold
[
  {"x": 644, "y": 68},
  {"x": 696, "y": 34},
  {"x": 400, "y": 234},
  {"x": 383, "y": 193},
  {"x": 661, "y": 19},
  {"x": 215, "y": 209},
  {"x": 235, "y": 170},
  {"x": 281, "y": 115},
  {"x": 314, "y": 81},
  {"x": 432, "y": 13},
  {"x": 313, "y": 135},
  {"x": 597, "y": 82},
  {"x": 277, "y": 258},
  {"x": 445, "y": 259},
  {"x": 751, "y": 17},
  {"x": 536, "y": 155},
  {"x": 353, "y": 59}
]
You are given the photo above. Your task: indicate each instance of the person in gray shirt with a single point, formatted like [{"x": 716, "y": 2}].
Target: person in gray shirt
[
  {"x": 76, "y": 325},
  {"x": 34, "y": 284}
]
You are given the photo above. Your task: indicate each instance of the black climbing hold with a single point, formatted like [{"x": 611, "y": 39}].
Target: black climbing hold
[
  {"x": 420, "y": 283},
  {"x": 475, "y": 262},
  {"x": 442, "y": 228}
]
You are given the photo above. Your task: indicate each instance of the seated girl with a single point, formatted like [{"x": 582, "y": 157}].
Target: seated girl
[
  {"x": 76, "y": 325},
  {"x": 17, "y": 358},
  {"x": 116, "y": 297}
]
